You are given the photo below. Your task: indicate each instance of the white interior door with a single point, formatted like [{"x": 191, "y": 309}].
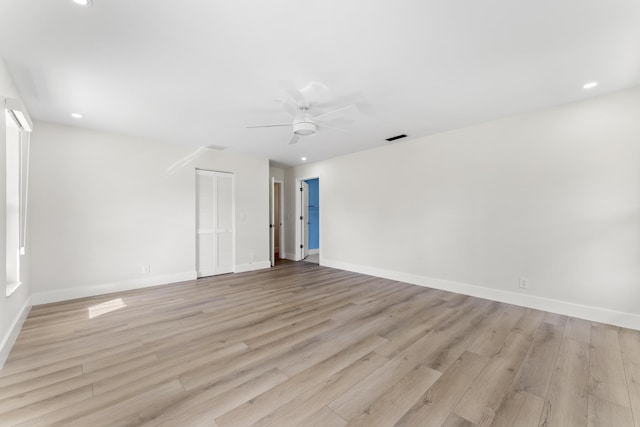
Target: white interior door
[
  {"x": 215, "y": 225},
  {"x": 272, "y": 221},
  {"x": 225, "y": 240},
  {"x": 305, "y": 219}
]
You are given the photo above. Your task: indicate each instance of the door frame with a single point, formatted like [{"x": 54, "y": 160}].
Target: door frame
[
  {"x": 281, "y": 246},
  {"x": 304, "y": 222},
  {"x": 298, "y": 209},
  {"x": 280, "y": 219},
  {"x": 272, "y": 220}
]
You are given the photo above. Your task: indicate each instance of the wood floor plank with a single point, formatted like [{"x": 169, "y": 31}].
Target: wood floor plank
[
  {"x": 44, "y": 405},
  {"x": 535, "y": 373},
  {"x": 203, "y": 406},
  {"x": 494, "y": 335},
  {"x": 131, "y": 411},
  {"x": 529, "y": 322},
  {"x": 335, "y": 341},
  {"x": 167, "y": 369},
  {"x": 295, "y": 411},
  {"x": 279, "y": 395},
  {"x": 394, "y": 402},
  {"x": 607, "y": 379},
  {"x": 566, "y": 403},
  {"x": 450, "y": 341},
  {"x": 324, "y": 418},
  {"x": 354, "y": 402},
  {"x": 305, "y": 345},
  {"x": 520, "y": 409},
  {"x": 556, "y": 319},
  {"x": 578, "y": 329},
  {"x": 433, "y": 408},
  {"x": 492, "y": 384},
  {"x": 630, "y": 347},
  {"x": 455, "y": 420},
  {"x": 22, "y": 387},
  {"x": 265, "y": 356},
  {"x": 603, "y": 413},
  {"x": 75, "y": 382},
  {"x": 403, "y": 338},
  {"x": 18, "y": 370}
]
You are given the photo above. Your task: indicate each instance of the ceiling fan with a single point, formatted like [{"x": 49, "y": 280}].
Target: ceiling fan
[{"x": 305, "y": 123}]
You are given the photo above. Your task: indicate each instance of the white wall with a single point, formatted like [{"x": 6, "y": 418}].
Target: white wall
[
  {"x": 552, "y": 195},
  {"x": 13, "y": 309},
  {"x": 104, "y": 205},
  {"x": 277, "y": 173}
]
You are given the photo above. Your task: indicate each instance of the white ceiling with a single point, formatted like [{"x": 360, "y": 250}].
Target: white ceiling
[{"x": 198, "y": 72}]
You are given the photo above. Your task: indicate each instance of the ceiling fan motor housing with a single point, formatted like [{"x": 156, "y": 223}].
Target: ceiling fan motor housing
[{"x": 304, "y": 128}]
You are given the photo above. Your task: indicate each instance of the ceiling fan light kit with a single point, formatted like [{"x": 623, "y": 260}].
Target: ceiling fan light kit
[{"x": 304, "y": 128}]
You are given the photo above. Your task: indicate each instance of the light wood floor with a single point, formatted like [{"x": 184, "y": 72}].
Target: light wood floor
[{"x": 307, "y": 345}]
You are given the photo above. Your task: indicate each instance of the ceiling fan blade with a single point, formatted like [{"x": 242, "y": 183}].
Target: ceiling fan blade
[
  {"x": 356, "y": 98},
  {"x": 323, "y": 126},
  {"x": 293, "y": 91},
  {"x": 346, "y": 109},
  {"x": 287, "y": 106},
  {"x": 294, "y": 139},
  {"x": 268, "y": 126}
]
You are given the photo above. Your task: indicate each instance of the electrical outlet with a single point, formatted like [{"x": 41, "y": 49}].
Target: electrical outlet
[
  {"x": 524, "y": 283},
  {"x": 146, "y": 268}
]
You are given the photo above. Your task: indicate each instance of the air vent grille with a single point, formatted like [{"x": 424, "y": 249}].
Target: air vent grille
[{"x": 393, "y": 138}]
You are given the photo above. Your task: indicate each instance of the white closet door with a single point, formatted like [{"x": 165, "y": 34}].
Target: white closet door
[
  {"x": 215, "y": 226},
  {"x": 224, "y": 259},
  {"x": 205, "y": 237}
]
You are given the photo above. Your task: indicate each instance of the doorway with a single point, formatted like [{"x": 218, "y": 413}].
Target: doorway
[
  {"x": 308, "y": 231},
  {"x": 276, "y": 219},
  {"x": 215, "y": 223}
]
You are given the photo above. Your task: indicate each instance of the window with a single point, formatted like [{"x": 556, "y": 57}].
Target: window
[{"x": 18, "y": 127}]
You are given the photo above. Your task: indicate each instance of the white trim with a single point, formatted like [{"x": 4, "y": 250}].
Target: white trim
[
  {"x": 289, "y": 256},
  {"x": 281, "y": 249},
  {"x": 313, "y": 251},
  {"x": 107, "y": 288},
  {"x": 298, "y": 226},
  {"x": 243, "y": 268},
  {"x": 7, "y": 342},
  {"x": 596, "y": 314},
  {"x": 272, "y": 221},
  {"x": 23, "y": 118},
  {"x": 11, "y": 288}
]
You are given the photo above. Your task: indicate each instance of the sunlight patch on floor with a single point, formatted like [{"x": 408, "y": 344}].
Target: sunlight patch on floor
[{"x": 106, "y": 307}]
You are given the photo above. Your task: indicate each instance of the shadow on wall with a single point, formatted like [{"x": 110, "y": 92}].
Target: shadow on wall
[{"x": 185, "y": 161}]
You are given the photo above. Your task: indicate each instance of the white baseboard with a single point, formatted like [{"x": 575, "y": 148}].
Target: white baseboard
[
  {"x": 288, "y": 256},
  {"x": 107, "y": 288},
  {"x": 313, "y": 251},
  {"x": 596, "y": 314},
  {"x": 7, "y": 341},
  {"x": 243, "y": 268}
]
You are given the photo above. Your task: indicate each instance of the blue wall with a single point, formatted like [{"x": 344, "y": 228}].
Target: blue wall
[{"x": 314, "y": 213}]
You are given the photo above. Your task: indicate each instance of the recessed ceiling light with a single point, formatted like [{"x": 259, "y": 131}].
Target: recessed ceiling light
[
  {"x": 590, "y": 85},
  {"x": 76, "y": 115},
  {"x": 82, "y": 2},
  {"x": 304, "y": 159}
]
